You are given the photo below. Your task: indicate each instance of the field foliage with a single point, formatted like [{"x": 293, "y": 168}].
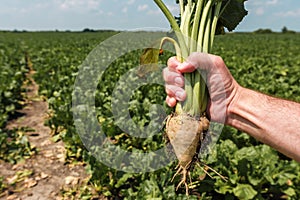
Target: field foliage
[
  {"x": 269, "y": 63},
  {"x": 14, "y": 145}
]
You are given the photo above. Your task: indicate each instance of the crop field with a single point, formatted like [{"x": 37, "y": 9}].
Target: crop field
[{"x": 269, "y": 63}]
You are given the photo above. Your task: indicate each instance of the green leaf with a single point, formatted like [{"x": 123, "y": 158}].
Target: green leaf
[
  {"x": 244, "y": 191},
  {"x": 290, "y": 192},
  {"x": 232, "y": 14},
  {"x": 224, "y": 189},
  {"x": 123, "y": 180},
  {"x": 283, "y": 178}
]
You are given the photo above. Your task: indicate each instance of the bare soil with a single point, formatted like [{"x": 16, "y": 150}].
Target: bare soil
[{"x": 45, "y": 174}]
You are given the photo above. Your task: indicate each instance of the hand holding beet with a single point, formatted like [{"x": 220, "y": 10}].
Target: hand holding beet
[{"x": 220, "y": 83}]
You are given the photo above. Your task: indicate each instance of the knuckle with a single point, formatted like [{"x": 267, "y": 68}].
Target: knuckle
[
  {"x": 165, "y": 73},
  {"x": 172, "y": 63},
  {"x": 218, "y": 60},
  {"x": 168, "y": 90}
]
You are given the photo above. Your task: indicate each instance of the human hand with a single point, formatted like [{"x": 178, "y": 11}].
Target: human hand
[{"x": 221, "y": 85}]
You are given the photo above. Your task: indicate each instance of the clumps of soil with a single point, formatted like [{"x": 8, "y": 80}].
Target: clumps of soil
[{"x": 45, "y": 174}]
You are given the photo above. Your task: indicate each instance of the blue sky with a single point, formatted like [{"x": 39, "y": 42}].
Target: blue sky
[{"x": 130, "y": 14}]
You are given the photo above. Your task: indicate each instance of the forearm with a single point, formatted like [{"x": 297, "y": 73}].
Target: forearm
[{"x": 273, "y": 121}]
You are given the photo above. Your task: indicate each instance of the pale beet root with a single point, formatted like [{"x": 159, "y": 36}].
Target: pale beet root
[{"x": 185, "y": 134}]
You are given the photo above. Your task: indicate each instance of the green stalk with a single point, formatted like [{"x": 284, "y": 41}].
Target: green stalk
[
  {"x": 196, "y": 33},
  {"x": 181, "y": 40},
  {"x": 178, "y": 56},
  {"x": 203, "y": 25},
  {"x": 188, "y": 103},
  {"x": 186, "y": 21},
  {"x": 194, "y": 36},
  {"x": 175, "y": 27},
  {"x": 181, "y": 7},
  {"x": 177, "y": 47},
  {"x": 199, "y": 90},
  {"x": 195, "y": 109},
  {"x": 186, "y": 18},
  {"x": 215, "y": 21},
  {"x": 207, "y": 45},
  {"x": 204, "y": 99},
  {"x": 207, "y": 34}
]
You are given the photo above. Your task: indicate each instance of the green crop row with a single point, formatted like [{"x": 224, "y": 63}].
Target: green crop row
[
  {"x": 12, "y": 75},
  {"x": 14, "y": 145},
  {"x": 268, "y": 63}
]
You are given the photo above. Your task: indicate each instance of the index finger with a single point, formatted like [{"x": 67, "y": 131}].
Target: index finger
[
  {"x": 194, "y": 61},
  {"x": 173, "y": 63}
]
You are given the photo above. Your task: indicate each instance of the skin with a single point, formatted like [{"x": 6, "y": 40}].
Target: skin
[{"x": 273, "y": 121}]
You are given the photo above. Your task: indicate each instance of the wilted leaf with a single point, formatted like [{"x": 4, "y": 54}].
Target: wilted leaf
[
  {"x": 148, "y": 61},
  {"x": 29, "y": 183},
  {"x": 71, "y": 180}
]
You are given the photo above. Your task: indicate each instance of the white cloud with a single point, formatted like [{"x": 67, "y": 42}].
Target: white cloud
[
  {"x": 272, "y": 2},
  {"x": 262, "y": 3},
  {"x": 78, "y": 4},
  {"x": 154, "y": 12},
  {"x": 254, "y": 3},
  {"x": 26, "y": 8},
  {"x": 130, "y": 2},
  {"x": 259, "y": 11},
  {"x": 125, "y": 10},
  {"x": 42, "y": 5},
  {"x": 174, "y": 9},
  {"x": 290, "y": 13},
  {"x": 260, "y": 7},
  {"x": 143, "y": 7}
]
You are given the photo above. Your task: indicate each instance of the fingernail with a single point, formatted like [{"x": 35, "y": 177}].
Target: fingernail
[
  {"x": 179, "y": 81},
  {"x": 179, "y": 95},
  {"x": 182, "y": 66},
  {"x": 168, "y": 103}
]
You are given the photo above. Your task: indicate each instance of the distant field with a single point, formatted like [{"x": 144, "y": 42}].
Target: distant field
[{"x": 269, "y": 63}]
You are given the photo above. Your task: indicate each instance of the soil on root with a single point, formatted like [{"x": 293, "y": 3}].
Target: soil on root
[{"x": 185, "y": 134}]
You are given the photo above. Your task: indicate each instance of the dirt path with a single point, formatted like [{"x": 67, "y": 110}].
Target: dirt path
[{"x": 44, "y": 174}]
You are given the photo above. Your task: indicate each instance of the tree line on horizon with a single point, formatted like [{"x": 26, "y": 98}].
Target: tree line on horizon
[{"x": 89, "y": 30}]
